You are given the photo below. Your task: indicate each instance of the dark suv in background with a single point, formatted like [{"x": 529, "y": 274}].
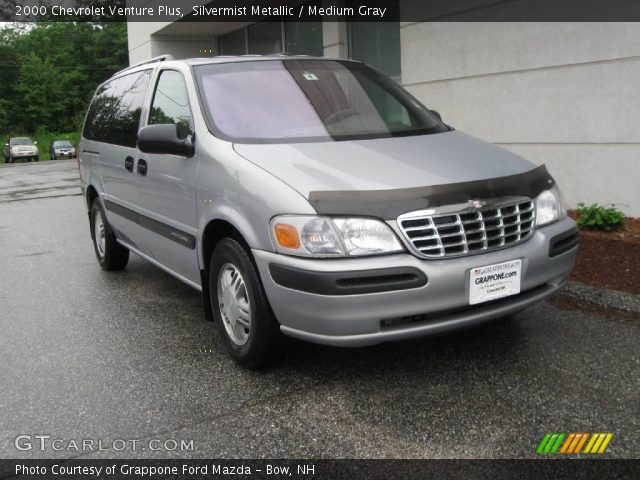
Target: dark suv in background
[{"x": 62, "y": 148}]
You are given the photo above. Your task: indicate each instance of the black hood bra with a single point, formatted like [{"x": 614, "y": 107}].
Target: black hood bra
[{"x": 389, "y": 204}]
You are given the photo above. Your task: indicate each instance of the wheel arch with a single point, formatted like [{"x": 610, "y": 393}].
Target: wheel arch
[
  {"x": 215, "y": 230},
  {"x": 90, "y": 195}
]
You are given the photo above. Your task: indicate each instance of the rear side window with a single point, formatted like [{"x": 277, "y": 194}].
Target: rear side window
[
  {"x": 171, "y": 103},
  {"x": 114, "y": 114}
]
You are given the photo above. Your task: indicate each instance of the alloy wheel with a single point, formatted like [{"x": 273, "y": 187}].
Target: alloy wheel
[{"x": 234, "y": 303}]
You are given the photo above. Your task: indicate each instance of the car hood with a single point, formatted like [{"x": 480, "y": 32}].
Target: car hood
[{"x": 384, "y": 164}]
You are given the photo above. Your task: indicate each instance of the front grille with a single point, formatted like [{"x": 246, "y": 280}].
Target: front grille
[{"x": 470, "y": 230}]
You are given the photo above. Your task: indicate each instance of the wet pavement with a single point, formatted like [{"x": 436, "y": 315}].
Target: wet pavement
[{"x": 22, "y": 181}]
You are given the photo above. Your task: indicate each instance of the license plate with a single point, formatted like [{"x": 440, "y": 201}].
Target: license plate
[{"x": 494, "y": 281}]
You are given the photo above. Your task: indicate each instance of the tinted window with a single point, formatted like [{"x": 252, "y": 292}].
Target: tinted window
[
  {"x": 300, "y": 38},
  {"x": 171, "y": 103},
  {"x": 314, "y": 99},
  {"x": 62, "y": 143},
  {"x": 114, "y": 115},
  {"x": 304, "y": 38},
  {"x": 265, "y": 38},
  {"x": 378, "y": 43},
  {"x": 233, "y": 43}
]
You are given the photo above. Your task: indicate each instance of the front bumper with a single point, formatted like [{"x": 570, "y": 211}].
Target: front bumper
[
  {"x": 359, "y": 319},
  {"x": 65, "y": 154}
]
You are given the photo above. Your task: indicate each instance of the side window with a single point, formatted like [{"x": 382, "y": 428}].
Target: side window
[
  {"x": 171, "y": 103},
  {"x": 114, "y": 114}
]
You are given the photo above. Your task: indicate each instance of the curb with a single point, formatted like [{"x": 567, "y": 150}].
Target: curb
[{"x": 602, "y": 297}]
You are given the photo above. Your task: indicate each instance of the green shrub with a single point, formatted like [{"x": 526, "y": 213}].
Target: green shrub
[
  {"x": 599, "y": 217},
  {"x": 46, "y": 138}
]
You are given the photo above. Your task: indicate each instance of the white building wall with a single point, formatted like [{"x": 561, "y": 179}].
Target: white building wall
[
  {"x": 564, "y": 94},
  {"x": 139, "y": 36},
  {"x": 150, "y": 39}
]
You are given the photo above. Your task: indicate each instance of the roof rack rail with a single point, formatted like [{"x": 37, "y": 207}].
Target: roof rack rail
[
  {"x": 159, "y": 58},
  {"x": 289, "y": 54},
  {"x": 278, "y": 54}
]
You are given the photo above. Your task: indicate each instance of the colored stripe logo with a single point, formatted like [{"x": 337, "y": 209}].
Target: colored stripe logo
[{"x": 573, "y": 443}]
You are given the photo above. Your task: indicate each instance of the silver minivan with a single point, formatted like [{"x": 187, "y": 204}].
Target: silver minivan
[{"x": 317, "y": 199}]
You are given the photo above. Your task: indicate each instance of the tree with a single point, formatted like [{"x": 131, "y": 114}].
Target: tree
[{"x": 48, "y": 73}]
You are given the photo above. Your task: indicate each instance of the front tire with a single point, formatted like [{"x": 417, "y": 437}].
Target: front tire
[
  {"x": 110, "y": 254},
  {"x": 242, "y": 314}
]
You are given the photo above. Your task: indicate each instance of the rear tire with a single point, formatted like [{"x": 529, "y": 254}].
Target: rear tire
[
  {"x": 110, "y": 254},
  {"x": 249, "y": 330}
]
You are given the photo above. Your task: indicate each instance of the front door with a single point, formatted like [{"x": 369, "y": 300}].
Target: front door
[{"x": 167, "y": 183}]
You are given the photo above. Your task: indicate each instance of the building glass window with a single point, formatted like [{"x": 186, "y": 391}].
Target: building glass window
[
  {"x": 303, "y": 38},
  {"x": 378, "y": 43},
  {"x": 265, "y": 38},
  {"x": 233, "y": 43}
]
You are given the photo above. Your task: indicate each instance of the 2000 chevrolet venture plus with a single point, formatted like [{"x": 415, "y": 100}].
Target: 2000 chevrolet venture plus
[{"x": 315, "y": 198}]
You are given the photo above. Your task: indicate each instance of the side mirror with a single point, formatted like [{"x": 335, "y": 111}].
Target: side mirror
[
  {"x": 164, "y": 138},
  {"x": 437, "y": 114},
  {"x": 35, "y": 143},
  {"x": 6, "y": 144}
]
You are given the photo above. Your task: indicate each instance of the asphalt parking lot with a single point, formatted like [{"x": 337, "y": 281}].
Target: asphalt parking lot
[
  {"x": 38, "y": 180},
  {"x": 86, "y": 354}
]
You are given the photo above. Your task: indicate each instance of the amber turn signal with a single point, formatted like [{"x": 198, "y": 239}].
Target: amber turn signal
[{"x": 287, "y": 235}]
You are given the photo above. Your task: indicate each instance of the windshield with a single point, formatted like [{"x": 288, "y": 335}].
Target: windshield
[
  {"x": 62, "y": 144},
  {"x": 297, "y": 100},
  {"x": 21, "y": 141}
]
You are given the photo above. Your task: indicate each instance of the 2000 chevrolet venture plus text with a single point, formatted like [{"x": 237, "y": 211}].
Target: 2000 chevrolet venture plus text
[{"x": 317, "y": 199}]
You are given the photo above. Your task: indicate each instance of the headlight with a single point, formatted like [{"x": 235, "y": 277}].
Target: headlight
[
  {"x": 549, "y": 207},
  {"x": 332, "y": 237}
]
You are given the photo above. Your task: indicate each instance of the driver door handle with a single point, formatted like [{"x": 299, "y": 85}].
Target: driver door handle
[{"x": 142, "y": 166}]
